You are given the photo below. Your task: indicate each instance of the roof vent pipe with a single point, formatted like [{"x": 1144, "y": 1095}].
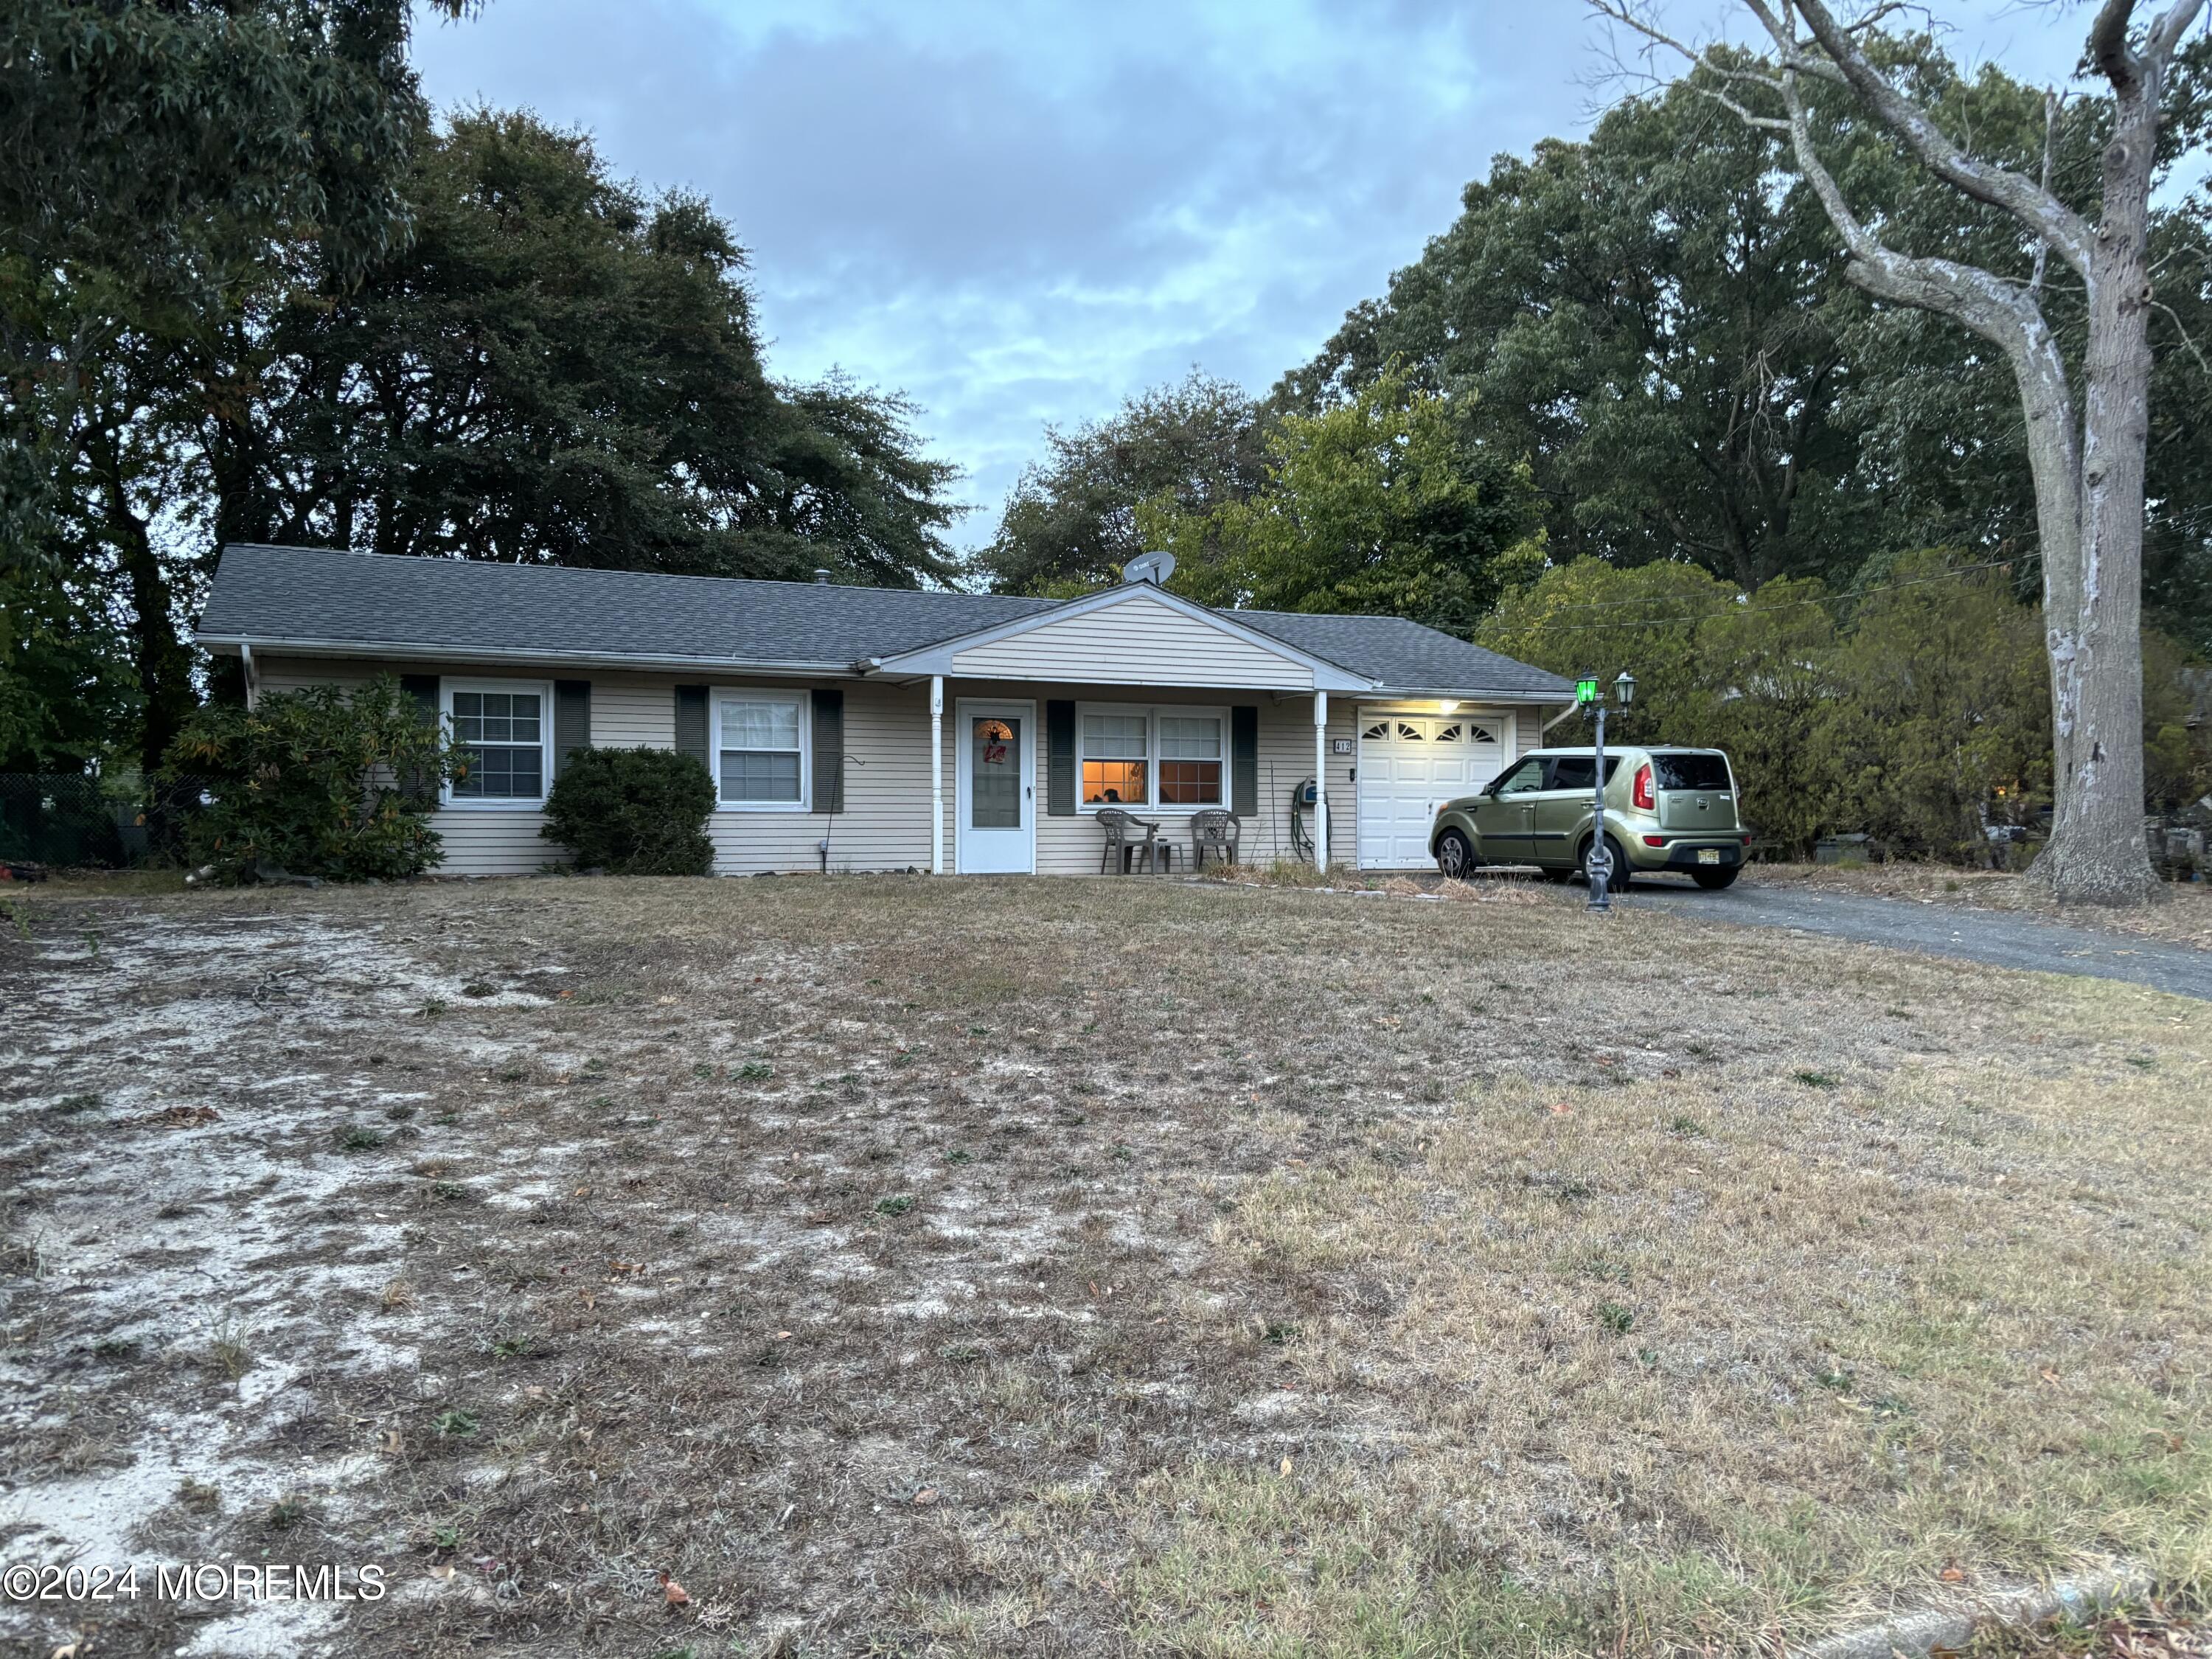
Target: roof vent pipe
[{"x": 821, "y": 577}]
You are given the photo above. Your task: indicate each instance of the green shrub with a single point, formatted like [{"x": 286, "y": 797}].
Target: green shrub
[
  {"x": 318, "y": 782},
  {"x": 634, "y": 811}
]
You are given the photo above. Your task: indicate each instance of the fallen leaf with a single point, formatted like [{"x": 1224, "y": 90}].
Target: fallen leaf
[
  {"x": 1560, "y": 1108},
  {"x": 183, "y": 1117},
  {"x": 442, "y": 1571},
  {"x": 783, "y": 1336},
  {"x": 673, "y": 1593},
  {"x": 567, "y": 993},
  {"x": 927, "y": 1495},
  {"x": 1286, "y": 1466},
  {"x": 2049, "y": 1375},
  {"x": 1952, "y": 1573},
  {"x": 392, "y": 1443},
  {"x": 665, "y": 1001}
]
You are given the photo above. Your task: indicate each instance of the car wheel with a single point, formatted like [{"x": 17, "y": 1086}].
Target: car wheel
[
  {"x": 1713, "y": 880},
  {"x": 1455, "y": 855},
  {"x": 1622, "y": 874}
]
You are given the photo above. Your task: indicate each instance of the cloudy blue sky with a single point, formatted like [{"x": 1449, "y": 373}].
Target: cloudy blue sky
[{"x": 1020, "y": 212}]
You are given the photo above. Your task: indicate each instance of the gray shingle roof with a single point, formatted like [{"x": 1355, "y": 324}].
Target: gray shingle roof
[
  {"x": 308, "y": 597},
  {"x": 1405, "y": 656}
]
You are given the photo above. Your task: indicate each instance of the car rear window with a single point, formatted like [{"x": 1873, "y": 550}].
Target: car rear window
[{"x": 1690, "y": 771}]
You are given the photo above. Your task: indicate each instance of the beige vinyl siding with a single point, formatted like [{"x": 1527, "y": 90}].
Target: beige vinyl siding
[
  {"x": 297, "y": 673},
  {"x": 476, "y": 841},
  {"x": 1070, "y": 846},
  {"x": 632, "y": 711},
  {"x": 885, "y": 823},
  {"x": 1135, "y": 642}
]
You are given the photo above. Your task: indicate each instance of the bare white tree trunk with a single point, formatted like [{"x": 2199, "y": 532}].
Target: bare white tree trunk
[
  {"x": 2092, "y": 603},
  {"x": 2089, "y": 468}
]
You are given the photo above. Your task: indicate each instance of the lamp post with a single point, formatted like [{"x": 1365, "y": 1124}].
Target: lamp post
[{"x": 1600, "y": 864}]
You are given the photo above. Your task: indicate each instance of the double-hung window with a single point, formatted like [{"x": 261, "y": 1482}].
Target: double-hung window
[
  {"x": 760, "y": 749},
  {"x": 1190, "y": 760},
  {"x": 504, "y": 730},
  {"x": 1153, "y": 758},
  {"x": 1117, "y": 760}
]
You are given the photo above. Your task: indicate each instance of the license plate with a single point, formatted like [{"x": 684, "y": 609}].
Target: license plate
[{"x": 1709, "y": 856}]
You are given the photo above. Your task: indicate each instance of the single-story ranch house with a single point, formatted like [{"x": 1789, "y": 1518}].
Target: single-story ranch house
[{"x": 864, "y": 728}]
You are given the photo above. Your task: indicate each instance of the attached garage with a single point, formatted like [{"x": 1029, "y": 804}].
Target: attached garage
[{"x": 1411, "y": 764}]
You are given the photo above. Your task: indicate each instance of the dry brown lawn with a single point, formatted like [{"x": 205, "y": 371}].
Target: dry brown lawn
[{"x": 892, "y": 1265}]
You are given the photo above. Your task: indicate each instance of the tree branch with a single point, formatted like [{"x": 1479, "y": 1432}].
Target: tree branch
[
  {"x": 1978, "y": 298},
  {"x": 2049, "y": 140},
  {"x": 1999, "y": 187},
  {"x": 2108, "y": 43},
  {"x": 2180, "y": 328}
]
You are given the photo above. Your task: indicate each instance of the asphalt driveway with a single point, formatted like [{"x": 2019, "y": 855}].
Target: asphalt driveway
[{"x": 1944, "y": 930}]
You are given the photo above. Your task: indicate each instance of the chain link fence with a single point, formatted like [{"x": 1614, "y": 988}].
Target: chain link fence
[{"x": 68, "y": 820}]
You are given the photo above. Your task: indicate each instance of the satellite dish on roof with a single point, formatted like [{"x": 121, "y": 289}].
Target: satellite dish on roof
[{"x": 1153, "y": 568}]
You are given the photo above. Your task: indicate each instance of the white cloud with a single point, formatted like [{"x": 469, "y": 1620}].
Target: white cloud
[{"x": 1023, "y": 212}]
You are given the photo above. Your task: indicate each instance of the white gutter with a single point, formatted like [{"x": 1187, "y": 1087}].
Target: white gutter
[{"x": 473, "y": 654}]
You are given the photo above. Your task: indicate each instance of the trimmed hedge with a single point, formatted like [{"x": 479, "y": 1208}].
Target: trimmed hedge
[{"x": 633, "y": 811}]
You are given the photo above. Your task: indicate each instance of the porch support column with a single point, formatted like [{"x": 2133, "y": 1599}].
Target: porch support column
[
  {"x": 937, "y": 775},
  {"x": 1320, "y": 781}
]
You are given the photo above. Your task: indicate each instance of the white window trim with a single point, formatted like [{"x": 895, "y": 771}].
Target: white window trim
[
  {"x": 452, "y": 802},
  {"x": 1153, "y": 712},
  {"x": 805, "y": 801}
]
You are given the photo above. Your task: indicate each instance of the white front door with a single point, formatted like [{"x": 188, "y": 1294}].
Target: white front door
[
  {"x": 1409, "y": 766},
  {"x": 996, "y": 799}
]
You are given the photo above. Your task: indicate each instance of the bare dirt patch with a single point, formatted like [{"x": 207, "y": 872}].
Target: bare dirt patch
[{"x": 1080, "y": 1267}]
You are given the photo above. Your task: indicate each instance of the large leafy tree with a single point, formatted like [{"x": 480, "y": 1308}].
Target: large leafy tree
[
  {"x": 1071, "y": 522},
  {"x": 2083, "y": 397},
  {"x": 1388, "y": 504},
  {"x": 541, "y": 364},
  {"x": 150, "y": 156},
  {"x": 558, "y": 370},
  {"x": 1650, "y": 316}
]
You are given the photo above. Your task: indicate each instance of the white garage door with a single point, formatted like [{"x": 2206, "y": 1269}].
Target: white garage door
[{"x": 1410, "y": 765}]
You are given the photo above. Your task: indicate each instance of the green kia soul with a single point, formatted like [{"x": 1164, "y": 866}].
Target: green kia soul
[{"x": 1665, "y": 808}]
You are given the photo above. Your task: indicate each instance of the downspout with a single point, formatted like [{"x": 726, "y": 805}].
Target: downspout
[
  {"x": 1321, "y": 781},
  {"x": 937, "y": 775},
  {"x": 251, "y": 676}
]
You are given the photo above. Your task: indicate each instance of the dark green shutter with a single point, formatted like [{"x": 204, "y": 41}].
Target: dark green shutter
[
  {"x": 572, "y": 721},
  {"x": 1244, "y": 762},
  {"x": 692, "y": 725},
  {"x": 1060, "y": 760},
  {"x": 423, "y": 688},
  {"x": 828, "y": 751}
]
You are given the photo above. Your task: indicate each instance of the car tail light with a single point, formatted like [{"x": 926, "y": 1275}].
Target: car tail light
[
  {"x": 1747, "y": 840},
  {"x": 1654, "y": 841},
  {"x": 1641, "y": 793}
]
